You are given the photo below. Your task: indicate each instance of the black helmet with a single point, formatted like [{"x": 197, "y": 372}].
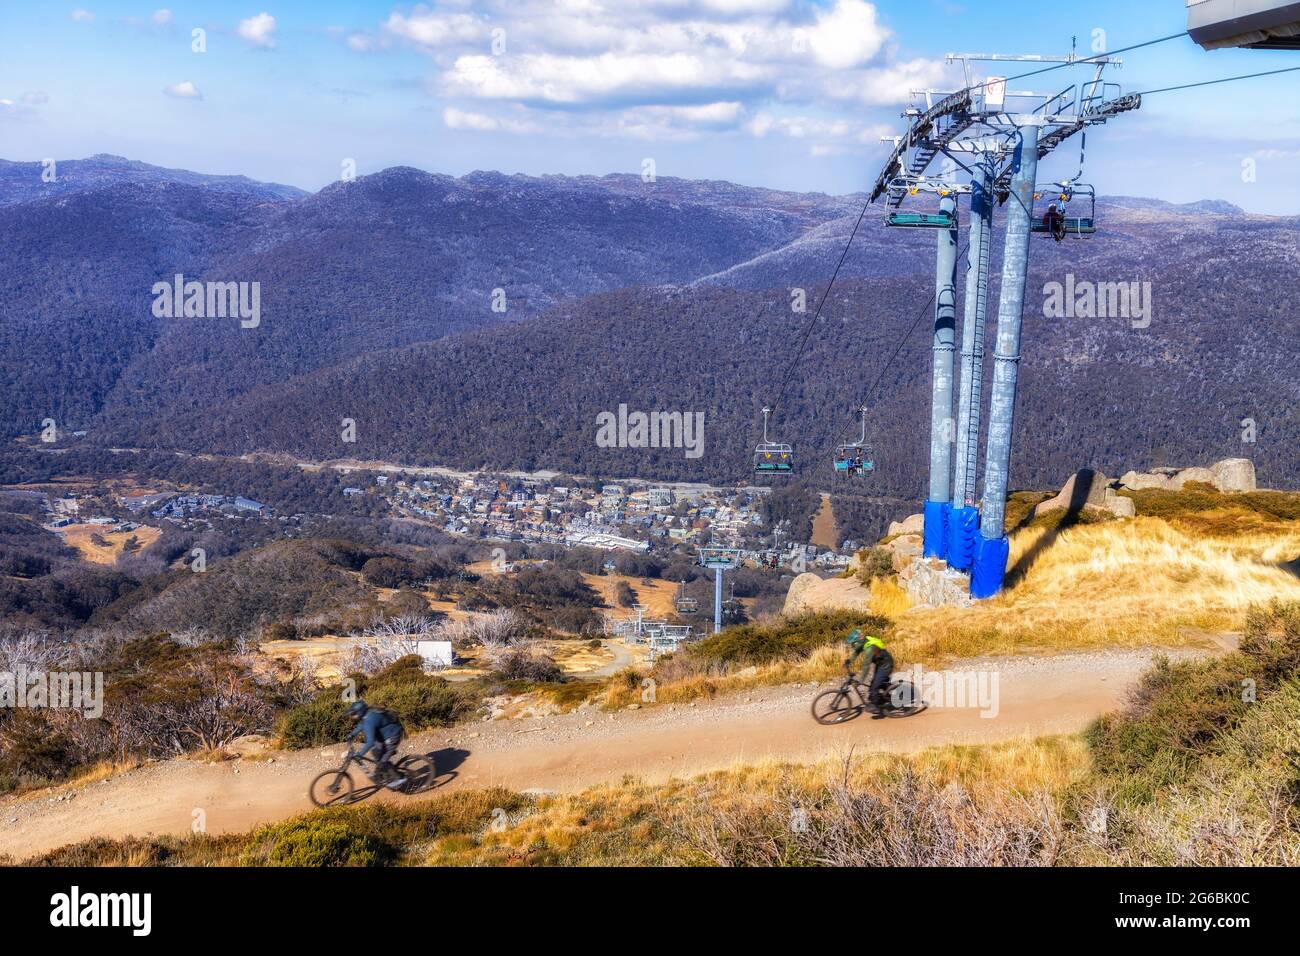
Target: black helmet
[{"x": 358, "y": 710}]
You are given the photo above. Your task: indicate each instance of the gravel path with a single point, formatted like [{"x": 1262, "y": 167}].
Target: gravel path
[{"x": 1036, "y": 696}]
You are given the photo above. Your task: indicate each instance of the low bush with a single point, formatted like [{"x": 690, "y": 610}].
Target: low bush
[
  {"x": 785, "y": 640},
  {"x": 418, "y": 699},
  {"x": 523, "y": 664},
  {"x": 319, "y": 840}
]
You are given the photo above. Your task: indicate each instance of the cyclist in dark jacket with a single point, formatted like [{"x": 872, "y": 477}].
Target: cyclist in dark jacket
[
  {"x": 383, "y": 733},
  {"x": 875, "y": 659}
]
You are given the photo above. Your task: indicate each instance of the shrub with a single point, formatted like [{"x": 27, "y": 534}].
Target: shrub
[
  {"x": 787, "y": 640},
  {"x": 520, "y": 664},
  {"x": 280, "y": 631},
  {"x": 318, "y": 840},
  {"x": 874, "y": 563},
  {"x": 321, "y": 721},
  {"x": 1178, "y": 713},
  {"x": 421, "y": 701}
]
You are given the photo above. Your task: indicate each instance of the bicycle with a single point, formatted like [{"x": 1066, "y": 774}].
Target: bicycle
[
  {"x": 336, "y": 786},
  {"x": 841, "y": 704}
]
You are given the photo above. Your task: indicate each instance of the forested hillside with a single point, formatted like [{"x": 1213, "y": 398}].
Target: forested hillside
[{"x": 670, "y": 296}]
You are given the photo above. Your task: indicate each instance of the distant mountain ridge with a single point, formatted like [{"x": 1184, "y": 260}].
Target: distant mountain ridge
[
  {"x": 24, "y": 182},
  {"x": 378, "y": 305}
]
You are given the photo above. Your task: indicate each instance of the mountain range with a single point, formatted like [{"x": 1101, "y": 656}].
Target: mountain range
[{"x": 487, "y": 320}]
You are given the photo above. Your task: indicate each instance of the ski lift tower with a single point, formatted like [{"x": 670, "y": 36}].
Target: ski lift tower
[
  {"x": 720, "y": 560},
  {"x": 995, "y": 136}
]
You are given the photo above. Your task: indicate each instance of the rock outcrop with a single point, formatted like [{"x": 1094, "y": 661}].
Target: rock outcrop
[
  {"x": 809, "y": 593},
  {"x": 1229, "y": 475},
  {"x": 1088, "y": 489},
  {"x": 912, "y": 524},
  {"x": 931, "y": 583}
]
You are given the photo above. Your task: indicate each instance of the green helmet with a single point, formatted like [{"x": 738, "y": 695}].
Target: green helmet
[
  {"x": 873, "y": 641},
  {"x": 855, "y": 635}
]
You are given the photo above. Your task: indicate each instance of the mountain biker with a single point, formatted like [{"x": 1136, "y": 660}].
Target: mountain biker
[
  {"x": 876, "y": 658},
  {"x": 383, "y": 733}
]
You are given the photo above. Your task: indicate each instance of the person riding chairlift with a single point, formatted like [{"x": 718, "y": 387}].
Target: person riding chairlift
[{"x": 1054, "y": 220}]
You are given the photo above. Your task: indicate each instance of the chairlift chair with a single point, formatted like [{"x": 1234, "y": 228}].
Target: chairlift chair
[
  {"x": 772, "y": 457},
  {"x": 1064, "y": 224},
  {"x": 686, "y": 605},
  {"x": 856, "y": 458}
]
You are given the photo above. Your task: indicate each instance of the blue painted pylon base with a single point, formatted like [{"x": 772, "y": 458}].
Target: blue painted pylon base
[
  {"x": 963, "y": 529},
  {"x": 934, "y": 539},
  {"x": 990, "y": 566}
]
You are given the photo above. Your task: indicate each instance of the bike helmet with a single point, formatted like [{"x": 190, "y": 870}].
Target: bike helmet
[
  {"x": 855, "y": 635},
  {"x": 872, "y": 641},
  {"x": 358, "y": 710}
]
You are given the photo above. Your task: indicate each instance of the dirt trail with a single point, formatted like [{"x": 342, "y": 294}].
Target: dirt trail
[{"x": 1038, "y": 696}]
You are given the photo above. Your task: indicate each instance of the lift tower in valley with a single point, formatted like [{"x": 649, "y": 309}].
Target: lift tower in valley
[
  {"x": 720, "y": 560},
  {"x": 992, "y": 138}
]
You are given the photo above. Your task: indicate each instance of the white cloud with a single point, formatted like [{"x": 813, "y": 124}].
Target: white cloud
[
  {"x": 36, "y": 98},
  {"x": 652, "y": 67},
  {"x": 162, "y": 17},
  {"x": 565, "y": 80},
  {"x": 428, "y": 29},
  {"x": 184, "y": 90},
  {"x": 453, "y": 118},
  {"x": 458, "y": 119},
  {"x": 846, "y": 35},
  {"x": 360, "y": 41},
  {"x": 258, "y": 30},
  {"x": 81, "y": 16}
]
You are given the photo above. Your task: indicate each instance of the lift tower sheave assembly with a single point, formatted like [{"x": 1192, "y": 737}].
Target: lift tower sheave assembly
[{"x": 995, "y": 136}]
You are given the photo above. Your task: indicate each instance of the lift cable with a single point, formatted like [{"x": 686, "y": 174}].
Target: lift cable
[
  {"x": 803, "y": 343},
  {"x": 1225, "y": 79},
  {"x": 1090, "y": 59},
  {"x": 925, "y": 310}
]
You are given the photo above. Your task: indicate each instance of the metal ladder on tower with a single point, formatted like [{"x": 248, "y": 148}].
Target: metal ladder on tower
[{"x": 977, "y": 364}]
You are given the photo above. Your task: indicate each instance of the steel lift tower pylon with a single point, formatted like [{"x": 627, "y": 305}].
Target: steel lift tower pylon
[{"x": 996, "y": 136}]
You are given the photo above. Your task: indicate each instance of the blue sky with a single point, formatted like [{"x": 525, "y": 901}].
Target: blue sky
[{"x": 791, "y": 94}]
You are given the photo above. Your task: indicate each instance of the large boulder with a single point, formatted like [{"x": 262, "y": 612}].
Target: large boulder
[
  {"x": 1087, "y": 489},
  {"x": 1234, "y": 474},
  {"x": 1201, "y": 475},
  {"x": 1231, "y": 474},
  {"x": 1140, "y": 481},
  {"x": 809, "y": 593},
  {"x": 904, "y": 549},
  {"x": 912, "y": 524}
]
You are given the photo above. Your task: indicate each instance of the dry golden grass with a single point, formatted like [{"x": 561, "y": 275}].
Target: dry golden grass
[
  {"x": 79, "y": 536},
  {"x": 1148, "y": 581}
]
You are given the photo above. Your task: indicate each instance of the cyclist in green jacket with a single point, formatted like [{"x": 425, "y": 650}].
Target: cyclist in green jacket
[{"x": 875, "y": 659}]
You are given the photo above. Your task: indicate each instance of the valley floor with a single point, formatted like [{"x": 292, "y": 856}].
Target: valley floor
[{"x": 569, "y": 752}]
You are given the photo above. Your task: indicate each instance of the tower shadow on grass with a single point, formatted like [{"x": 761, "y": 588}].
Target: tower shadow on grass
[{"x": 1083, "y": 480}]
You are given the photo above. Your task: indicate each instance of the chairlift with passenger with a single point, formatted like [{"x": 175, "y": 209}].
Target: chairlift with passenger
[
  {"x": 856, "y": 458},
  {"x": 1057, "y": 219},
  {"x": 772, "y": 457}
]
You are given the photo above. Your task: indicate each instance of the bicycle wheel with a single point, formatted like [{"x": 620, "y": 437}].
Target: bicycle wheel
[
  {"x": 331, "y": 787},
  {"x": 419, "y": 772},
  {"x": 904, "y": 701},
  {"x": 835, "y": 706}
]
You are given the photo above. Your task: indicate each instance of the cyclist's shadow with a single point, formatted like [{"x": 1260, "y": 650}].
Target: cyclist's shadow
[{"x": 445, "y": 764}]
